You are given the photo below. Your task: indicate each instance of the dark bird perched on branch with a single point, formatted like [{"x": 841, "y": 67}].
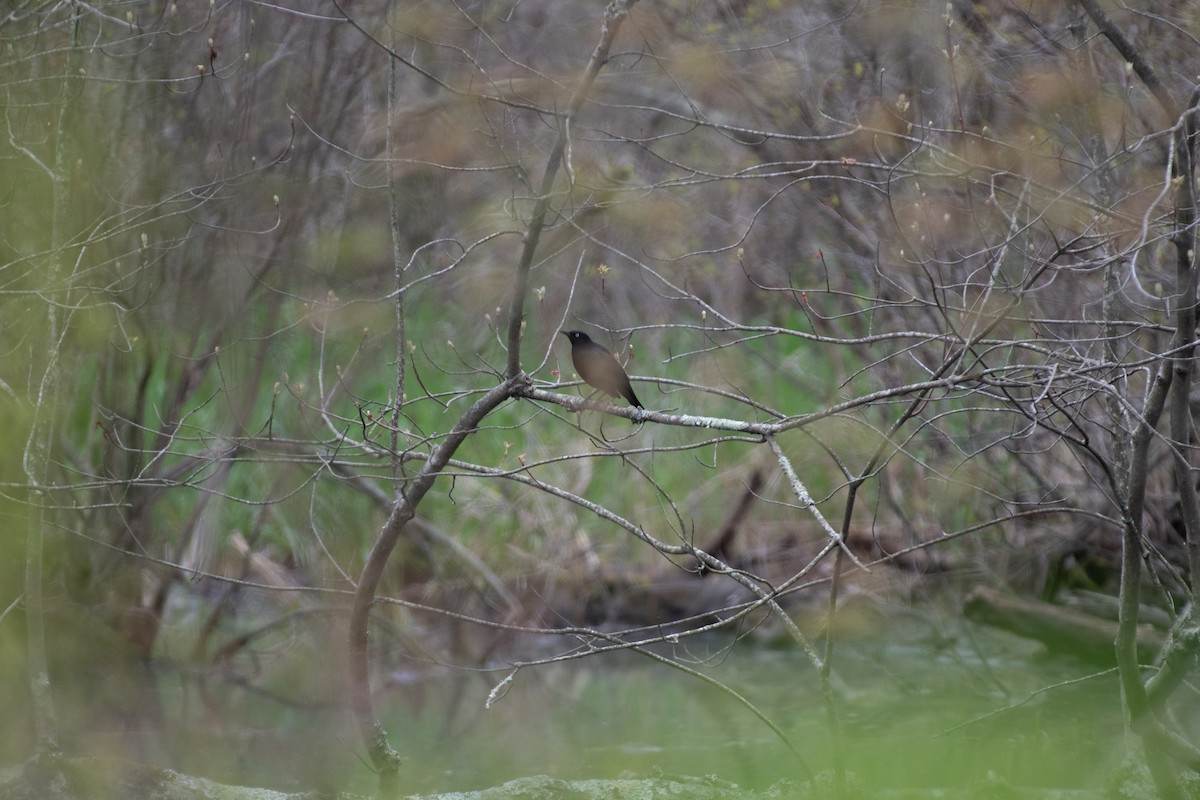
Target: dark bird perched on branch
[{"x": 598, "y": 368}]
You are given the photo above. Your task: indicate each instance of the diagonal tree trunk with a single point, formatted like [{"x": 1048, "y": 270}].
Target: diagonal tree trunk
[{"x": 384, "y": 758}]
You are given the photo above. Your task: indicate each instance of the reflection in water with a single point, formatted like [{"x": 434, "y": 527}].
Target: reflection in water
[
  {"x": 917, "y": 706},
  {"x": 917, "y": 703}
]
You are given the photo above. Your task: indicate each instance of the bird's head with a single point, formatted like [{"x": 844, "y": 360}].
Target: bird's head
[{"x": 576, "y": 337}]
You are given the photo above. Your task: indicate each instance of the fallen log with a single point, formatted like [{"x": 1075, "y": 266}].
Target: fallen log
[{"x": 1060, "y": 629}]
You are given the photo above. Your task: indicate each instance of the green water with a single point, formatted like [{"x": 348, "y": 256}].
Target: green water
[
  {"x": 923, "y": 701},
  {"x": 919, "y": 707}
]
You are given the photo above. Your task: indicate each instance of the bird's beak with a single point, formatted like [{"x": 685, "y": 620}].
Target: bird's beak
[{"x": 564, "y": 333}]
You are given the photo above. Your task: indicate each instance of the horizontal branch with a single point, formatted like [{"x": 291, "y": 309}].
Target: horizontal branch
[{"x": 577, "y": 404}]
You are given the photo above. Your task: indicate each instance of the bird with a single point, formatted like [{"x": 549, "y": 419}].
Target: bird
[{"x": 599, "y": 368}]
